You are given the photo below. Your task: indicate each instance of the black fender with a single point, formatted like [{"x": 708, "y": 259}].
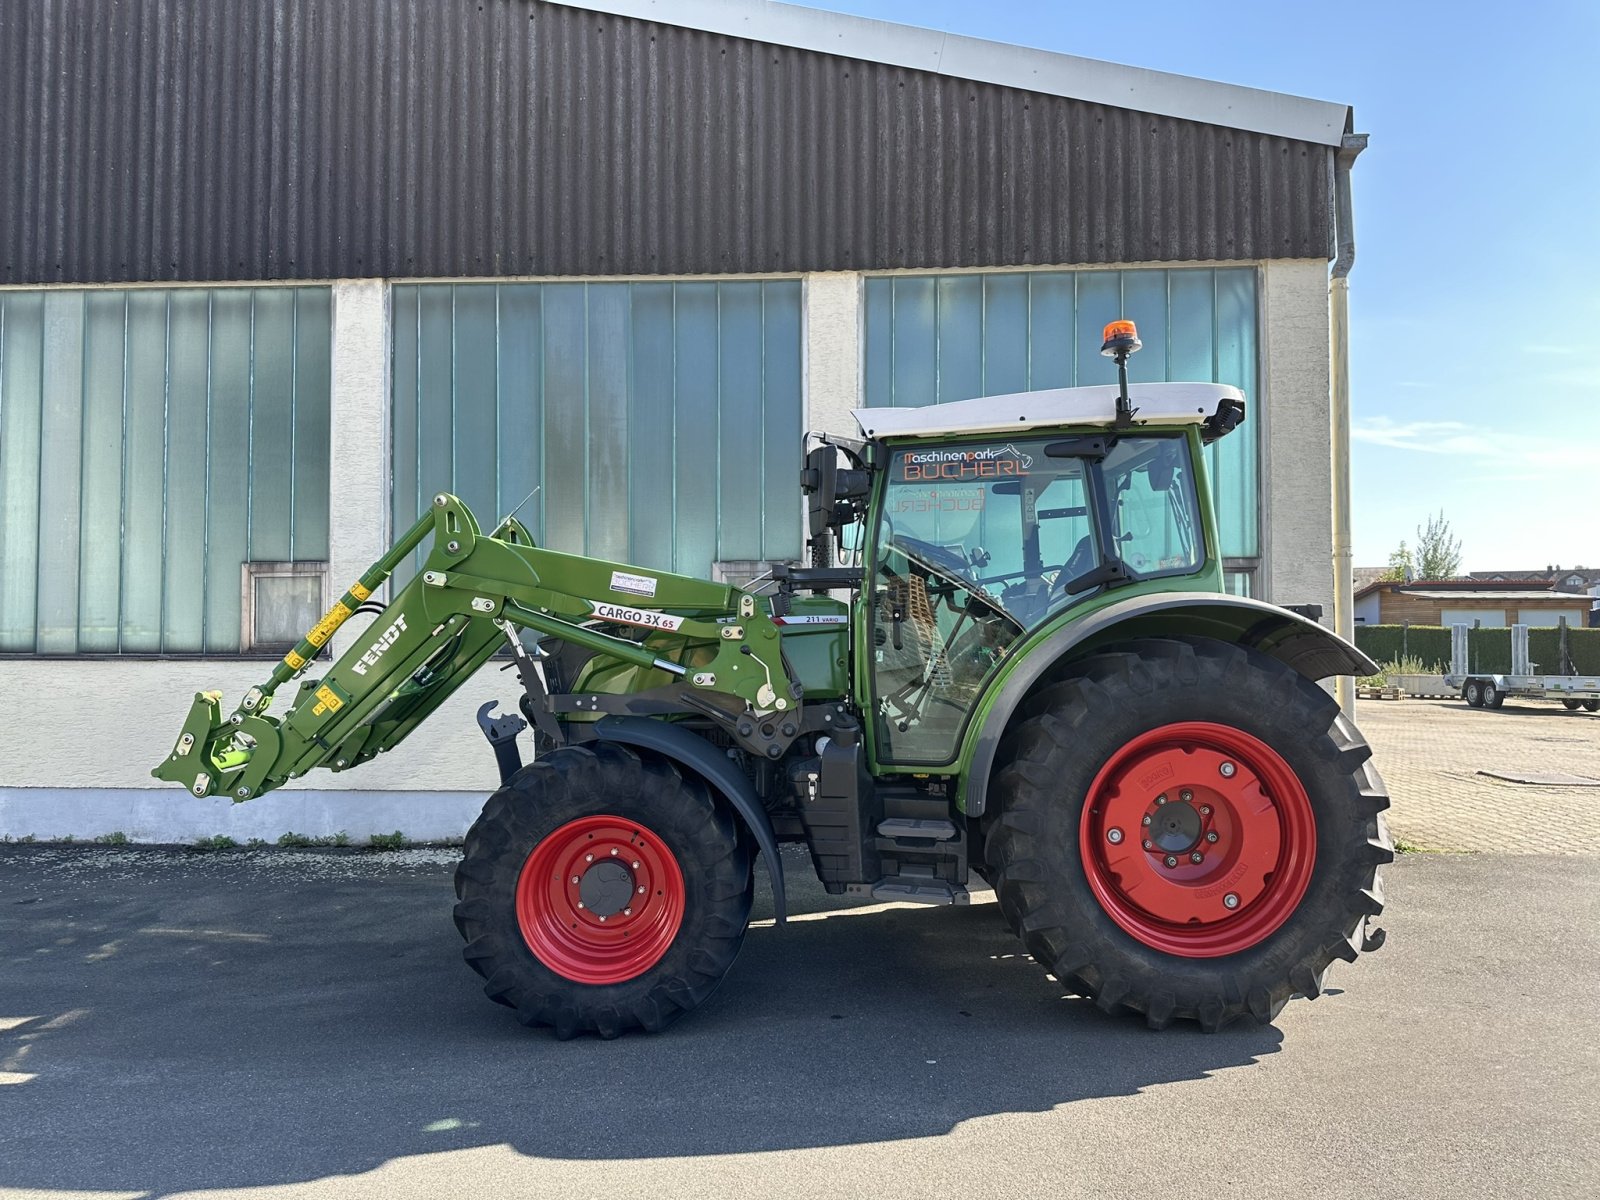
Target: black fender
[
  {"x": 1293, "y": 640},
  {"x": 689, "y": 749}
]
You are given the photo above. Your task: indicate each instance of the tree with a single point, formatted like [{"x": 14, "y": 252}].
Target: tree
[
  {"x": 1402, "y": 567},
  {"x": 1438, "y": 553}
]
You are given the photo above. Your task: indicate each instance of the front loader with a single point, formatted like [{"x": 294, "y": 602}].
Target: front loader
[{"x": 1011, "y": 654}]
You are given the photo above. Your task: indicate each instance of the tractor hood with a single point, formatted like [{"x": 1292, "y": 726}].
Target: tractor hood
[{"x": 1154, "y": 404}]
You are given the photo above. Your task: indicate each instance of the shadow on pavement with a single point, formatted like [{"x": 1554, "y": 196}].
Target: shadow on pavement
[{"x": 170, "y": 1023}]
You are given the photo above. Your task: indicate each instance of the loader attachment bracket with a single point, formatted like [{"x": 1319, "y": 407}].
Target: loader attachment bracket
[{"x": 502, "y": 734}]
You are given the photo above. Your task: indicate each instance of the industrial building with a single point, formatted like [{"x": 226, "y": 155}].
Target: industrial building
[{"x": 273, "y": 272}]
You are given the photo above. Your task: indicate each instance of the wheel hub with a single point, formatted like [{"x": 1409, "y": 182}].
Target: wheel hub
[
  {"x": 1174, "y": 828},
  {"x": 606, "y": 888},
  {"x": 600, "y": 900},
  {"x": 1226, "y": 839}
]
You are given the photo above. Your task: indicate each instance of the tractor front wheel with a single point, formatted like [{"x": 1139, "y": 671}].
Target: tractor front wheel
[
  {"x": 601, "y": 891},
  {"x": 1187, "y": 829}
]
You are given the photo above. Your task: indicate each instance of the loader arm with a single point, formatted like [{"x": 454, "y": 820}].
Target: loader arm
[{"x": 717, "y": 643}]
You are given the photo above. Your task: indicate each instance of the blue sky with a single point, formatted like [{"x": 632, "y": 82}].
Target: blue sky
[{"x": 1475, "y": 299}]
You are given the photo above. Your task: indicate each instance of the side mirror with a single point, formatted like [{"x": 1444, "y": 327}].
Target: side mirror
[{"x": 830, "y": 492}]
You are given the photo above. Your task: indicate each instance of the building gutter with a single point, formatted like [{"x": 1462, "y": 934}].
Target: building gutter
[{"x": 1344, "y": 618}]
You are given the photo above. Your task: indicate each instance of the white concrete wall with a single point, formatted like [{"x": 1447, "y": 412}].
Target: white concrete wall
[
  {"x": 1296, "y": 476},
  {"x": 832, "y": 363}
]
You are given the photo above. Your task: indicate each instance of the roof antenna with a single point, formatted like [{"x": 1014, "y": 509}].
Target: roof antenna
[{"x": 1121, "y": 340}]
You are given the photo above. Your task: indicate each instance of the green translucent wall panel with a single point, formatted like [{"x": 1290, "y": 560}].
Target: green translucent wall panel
[
  {"x": 936, "y": 338},
  {"x": 152, "y": 441},
  {"x": 659, "y": 421}
]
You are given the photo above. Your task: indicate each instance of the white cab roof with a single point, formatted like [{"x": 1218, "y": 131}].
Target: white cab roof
[{"x": 1157, "y": 404}]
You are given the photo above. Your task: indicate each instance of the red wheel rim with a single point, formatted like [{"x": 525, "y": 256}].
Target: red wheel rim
[
  {"x": 1198, "y": 839},
  {"x": 600, "y": 900}
]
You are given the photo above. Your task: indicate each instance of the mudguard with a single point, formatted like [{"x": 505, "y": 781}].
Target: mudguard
[
  {"x": 711, "y": 764},
  {"x": 1297, "y": 642}
]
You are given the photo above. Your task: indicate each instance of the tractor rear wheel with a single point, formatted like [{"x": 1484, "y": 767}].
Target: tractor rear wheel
[
  {"x": 602, "y": 891},
  {"x": 1187, "y": 829}
]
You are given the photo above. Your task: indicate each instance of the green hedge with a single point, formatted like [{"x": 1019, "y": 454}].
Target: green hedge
[{"x": 1489, "y": 648}]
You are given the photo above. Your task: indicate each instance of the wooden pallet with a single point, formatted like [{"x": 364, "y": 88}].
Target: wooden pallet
[{"x": 1391, "y": 692}]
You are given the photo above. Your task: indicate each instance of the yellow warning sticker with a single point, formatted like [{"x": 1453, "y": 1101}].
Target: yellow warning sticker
[
  {"x": 326, "y": 701},
  {"x": 359, "y": 592},
  {"x": 294, "y": 661},
  {"x": 325, "y": 627}
]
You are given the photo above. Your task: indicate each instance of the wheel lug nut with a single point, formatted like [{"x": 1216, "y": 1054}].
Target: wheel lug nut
[
  {"x": 1230, "y": 901},
  {"x": 1145, "y": 820},
  {"x": 580, "y": 903},
  {"x": 636, "y": 864},
  {"x": 1186, "y": 795},
  {"x": 602, "y": 918},
  {"x": 1149, "y": 845},
  {"x": 641, "y": 889},
  {"x": 1227, "y": 770},
  {"x": 614, "y": 852},
  {"x": 588, "y": 858},
  {"x": 627, "y": 912},
  {"x": 1172, "y": 860},
  {"x": 1212, "y": 836},
  {"x": 1205, "y": 810},
  {"x": 1161, "y": 799},
  {"x": 1197, "y": 857},
  {"x": 574, "y": 879},
  {"x": 1114, "y": 836}
]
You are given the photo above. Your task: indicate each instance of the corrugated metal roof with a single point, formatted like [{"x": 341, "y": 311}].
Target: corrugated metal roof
[{"x": 293, "y": 139}]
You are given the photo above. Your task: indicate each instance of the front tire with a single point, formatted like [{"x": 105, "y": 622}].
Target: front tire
[
  {"x": 1187, "y": 829},
  {"x": 602, "y": 891}
]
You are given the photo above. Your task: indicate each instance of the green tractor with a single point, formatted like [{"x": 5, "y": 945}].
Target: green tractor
[{"x": 1011, "y": 654}]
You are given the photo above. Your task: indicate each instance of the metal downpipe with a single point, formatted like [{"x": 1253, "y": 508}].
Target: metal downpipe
[{"x": 1344, "y": 617}]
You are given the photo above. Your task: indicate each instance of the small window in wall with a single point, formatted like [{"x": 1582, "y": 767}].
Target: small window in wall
[
  {"x": 1239, "y": 581},
  {"x": 278, "y": 602}
]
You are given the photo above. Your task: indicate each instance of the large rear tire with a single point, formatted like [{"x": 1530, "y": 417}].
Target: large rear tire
[
  {"x": 602, "y": 891},
  {"x": 1187, "y": 829}
]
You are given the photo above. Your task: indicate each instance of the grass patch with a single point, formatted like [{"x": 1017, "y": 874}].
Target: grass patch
[
  {"x": 217, "y": 841},
  {"x": 115, "y": 838},
  {"x": 304, "y": 841},
  {"x": 388, "y": 841}
]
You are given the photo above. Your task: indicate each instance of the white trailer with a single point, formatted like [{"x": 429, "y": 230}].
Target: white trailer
[{"x": 1488, "y": 690}]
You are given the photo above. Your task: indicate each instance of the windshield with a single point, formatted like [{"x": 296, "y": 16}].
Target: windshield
[{"x": 981, "y": 541}]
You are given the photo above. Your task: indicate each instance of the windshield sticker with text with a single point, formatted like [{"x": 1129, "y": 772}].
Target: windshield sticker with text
[
  {"x": 949, "y": 500},
  {"x": 982, "y": 462}
]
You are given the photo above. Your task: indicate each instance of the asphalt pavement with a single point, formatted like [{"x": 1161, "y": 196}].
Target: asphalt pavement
[{"x": 174, "y": 1023}]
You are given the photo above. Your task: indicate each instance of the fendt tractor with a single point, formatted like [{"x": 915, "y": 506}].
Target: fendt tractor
[{"x": 1010, "y": 653}]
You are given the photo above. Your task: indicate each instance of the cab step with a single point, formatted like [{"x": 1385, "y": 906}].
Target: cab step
[
  {"x": 919, "y": 890},
  {"x": 918, "y": 829}
]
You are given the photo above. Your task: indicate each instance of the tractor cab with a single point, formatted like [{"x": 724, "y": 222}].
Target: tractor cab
[{"x": 995, "y": 517}]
